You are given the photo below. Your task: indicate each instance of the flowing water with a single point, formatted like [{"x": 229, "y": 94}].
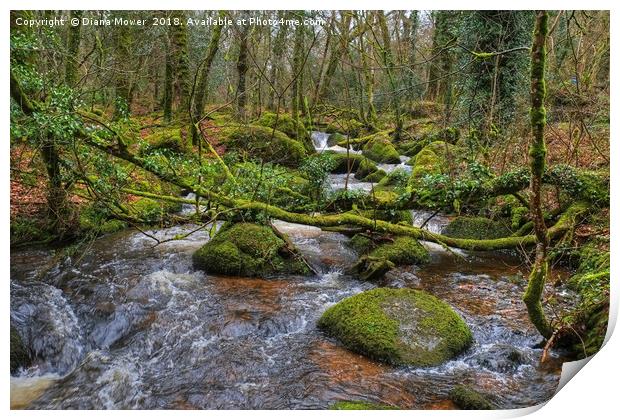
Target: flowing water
[
  {"x": 127, "y": 324},
  {"x": 339, "y": 181}
]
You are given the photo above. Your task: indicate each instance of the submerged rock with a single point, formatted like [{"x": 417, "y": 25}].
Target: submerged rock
[
  {"x": 19, "y": 354},
  {"x": 249, "y": 250},
  {"x": 468, "y": 399},
  {"x": 398, "y": 326}
]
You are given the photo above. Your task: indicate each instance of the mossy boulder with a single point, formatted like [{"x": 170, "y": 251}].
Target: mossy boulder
[
  {"x": 287, "y": 124},
  {"x": 167, "y": 140},
  {"x": 380, "y": 149},
  {"x": 360, "y": 405},
  {"x": 336, "y": 138},
  {"x": 358, "y": 164},
  {"x": 466, "y": 398},
  {"x": 258, "y": 142},
  {"x": 20, "y": 357},
  {"x": 398, "y": 326},
  {"x": 372, "y": 268},
  {"x": 476, "y": 228},
  {"x": 404, "y": 250},
  {"x": 367, "y": 171},
  {"x": 249, "y": 250}
]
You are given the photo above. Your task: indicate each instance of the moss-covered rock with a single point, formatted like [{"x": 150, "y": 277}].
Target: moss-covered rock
[
  {"x": 258, "y": 142},
  {"x": 468, "y": 399},
  {"x": 19, "y": 354},
  {"x": 367, "y": 171},
  {"x": 169, "y": 140},
  {"x": 476, "y": 228},
  {"x": 361, "y": 243},
  {"x": 249, "y": 250},
  {"x": 336, "y": 138},
  {"x": 286, "y": 124},
  {"x": 342, "y": 162},
  {"x": 360, "y": 405},
  {"x": 404, "y": 250},
  {"x": 380, "y": 149},
  {"x": 398, "y": 326},
  {"x": 372, "y": 268}
]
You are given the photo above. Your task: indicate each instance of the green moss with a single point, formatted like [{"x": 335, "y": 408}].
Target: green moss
[
  {"x": 398, "y": 326},
  {"x": 111, "y": 226},
  {"x": 361, "y": 243},
  {"x": 366, "y": 168},
  {"x": 286, "y": 124},
  {"x": 249, "y": 250},
  {"x": 476, "y": 228},
  {"x": 426, "y": 162},
  {"x": 392, "y": 216},
  {"x": 25, "y": 229},
  {"x": 152, "y": 211},
  {"x": 372, "y": 268},
  {"x": 592, "y": 282},
  {"x": 380, "y": 149},
  {"x": 257, "y": 142},
  {"x": 467, "y": 399},
  {"x": 167, "y": 140},
  {"x": 360, "y": 405},
  {"x": 337, "y": 138},
  {"x": 403, "y": 251},
  {"x": 19, "y": 354}
]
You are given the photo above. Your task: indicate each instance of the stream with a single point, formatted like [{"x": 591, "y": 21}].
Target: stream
[{"x": 125, "y": 324}]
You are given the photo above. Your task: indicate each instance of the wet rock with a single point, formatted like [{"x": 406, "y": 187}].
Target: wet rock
[
  {"x": 380, "y": 259},
  {"x": 398, "y": 326},
  {"x": 20, "y": 357},
  {"x": 48, "y": 326},
  {"x": 371, "y": 268},
  {"x": 502, "y": 358},
  {"x": 250, "y": 250},
  {"x": 468, "y": 399}
]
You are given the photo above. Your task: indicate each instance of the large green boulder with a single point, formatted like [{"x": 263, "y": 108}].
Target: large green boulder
[
  {"x": 380, "y": 149},
  {"x": 404, "y": 250},
  {"x": 258, "y": 142},
  {"x": 248, "y": 250},
  {"x": 398, "y": 326},
  {"x": 19, "y": 354}
]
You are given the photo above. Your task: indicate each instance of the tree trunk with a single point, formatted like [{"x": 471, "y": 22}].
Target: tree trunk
[
  {"x": 538, "y": 154},
  {"x": 203, "y": 81},
  {"x": 242, "y": 69},
  {"x": 388, "y": 61},
  {"x": 73, "y": 49}
]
